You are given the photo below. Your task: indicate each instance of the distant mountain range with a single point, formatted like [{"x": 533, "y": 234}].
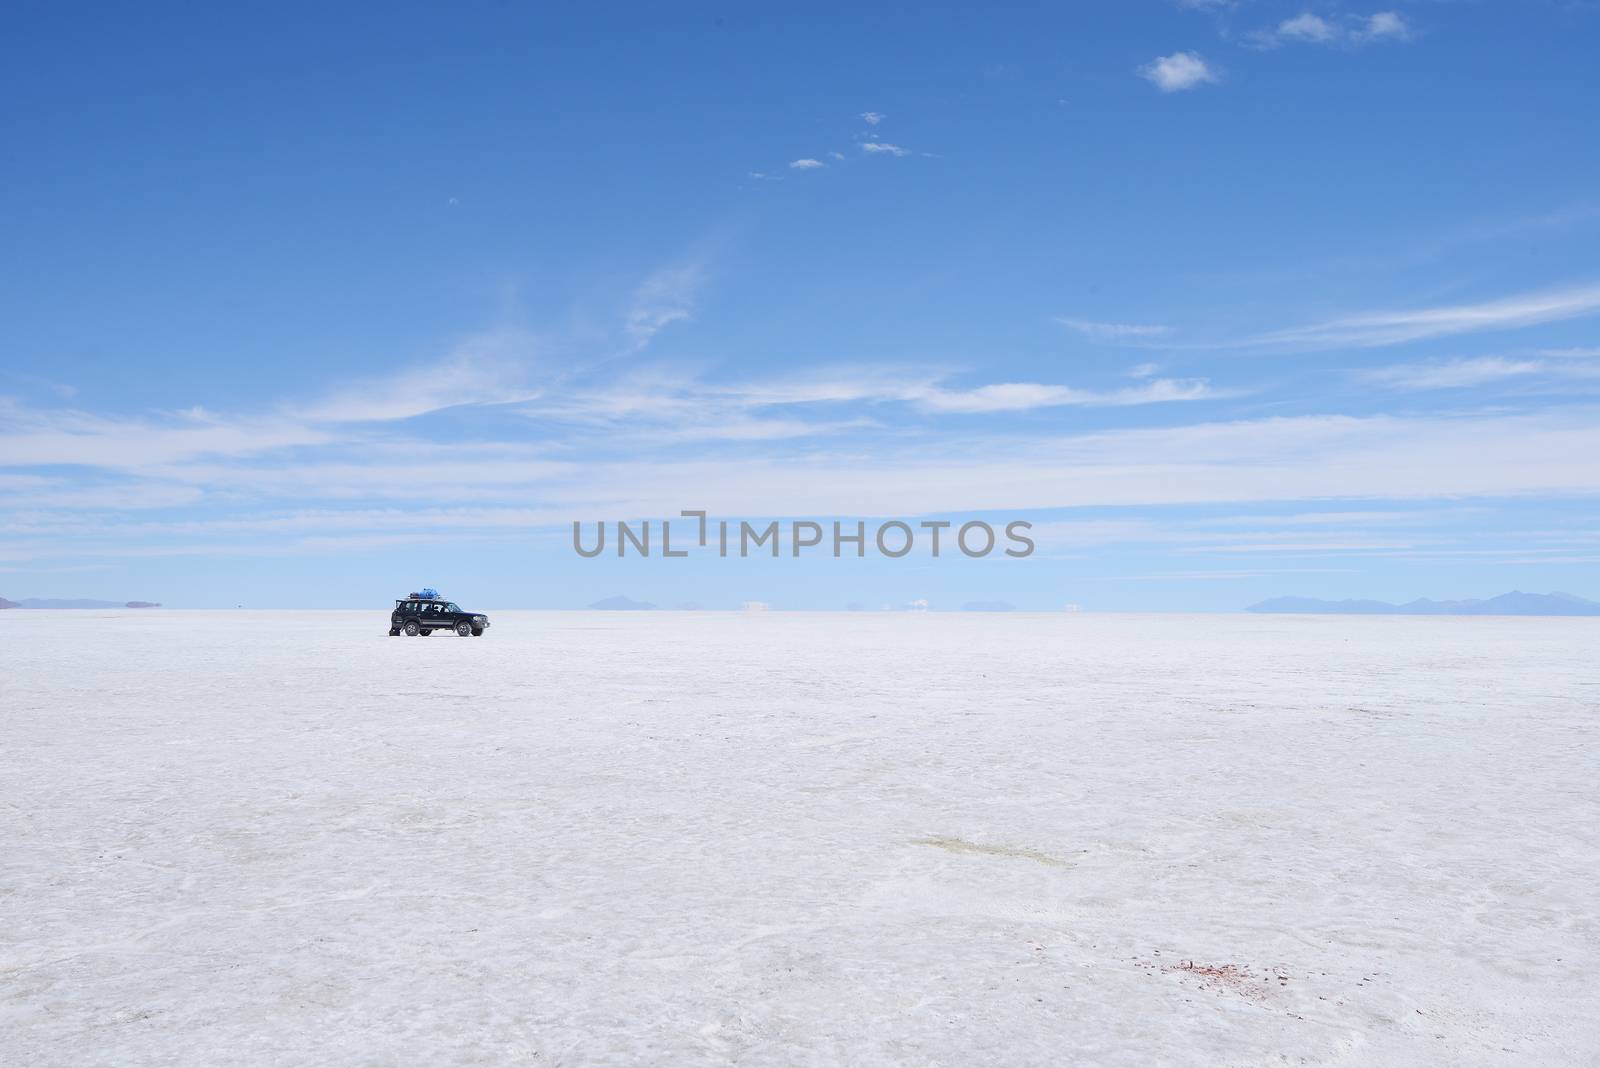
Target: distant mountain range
[
  {"x": 45, "y": 602},
  {"x": 622, "y": 604},
  {"x": 1515, "y": 603}
]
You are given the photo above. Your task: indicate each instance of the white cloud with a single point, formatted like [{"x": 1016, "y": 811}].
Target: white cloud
[
  {"x": 1024, "y": 396},
  {"x": 1393, "y": 328},
  {"x": 1453, "y": 374},
  {"x": 666, "y": 297},
  {"x": 883, "y": 148},
  {"x": 926, "y": 393},
  {"x": 70, "y": 437},
  {"x": 806, "y": 164},
  {"x": 1312, "y": 458},
  {"x": 1351, "y": 31},
  {"x": 865, "y": 385},
  {"x": 836, "y": 155},
  {"x": 872, "y": 118},
  {"x": 1113, "y": 331},
  {"x": 1386, "y": 24},
  {"x": 1307, "y": 27},
  {"x": 1288, "y": 459},
  {"x": 686, "y": 409},
  {"x": 492, "y": 368},
  {"x": 129, "y": 496},
  {"x": 344, "y": 446},
  {"x": 489, "y": 368},
  {"x": 1144, "y": 370},
  {"x": 1179, "y": 71},
  {"x": 1285, "y": 459}
]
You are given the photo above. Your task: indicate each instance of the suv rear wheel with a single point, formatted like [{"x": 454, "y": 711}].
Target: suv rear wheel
[{"x": 412, "y": 629}]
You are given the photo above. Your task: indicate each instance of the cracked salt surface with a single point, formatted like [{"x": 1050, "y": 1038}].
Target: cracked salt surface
[{"x": 285, "y": 838}]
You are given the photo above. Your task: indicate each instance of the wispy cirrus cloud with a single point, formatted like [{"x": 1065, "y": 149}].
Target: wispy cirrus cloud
[
  {"x": 929, "y": 393},
  {"x": 1375, "y": 329},
  {"x": 883, "y": 148},
  {"x": 1098, "y": 331},
  {"x": 1179, "y": 71},
  {"x": 871, "y": 439},
  {"x": 1027, "y": 396},
  {"x": 1568, "y": 367},
  {"x": 70, "y": 437},
  {"x": 806, "y": 164},
  {"x": 488, "y": 368},
  {"x": 689, "y": 406},
  {"x": 1452, "y": 374},
  {"x": 1307, "y": 458},
  {"x": 1285, "y": 459},
  {"x": 664, "y": 298}
]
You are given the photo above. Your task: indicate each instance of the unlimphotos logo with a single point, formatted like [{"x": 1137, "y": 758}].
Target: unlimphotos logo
[{"x": 893, "y": 538}]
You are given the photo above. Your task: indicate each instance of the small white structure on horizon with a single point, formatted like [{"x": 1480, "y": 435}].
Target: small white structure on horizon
[
  {"x": 1071, "y": 608},
  {"x": 756, "y": 606}
]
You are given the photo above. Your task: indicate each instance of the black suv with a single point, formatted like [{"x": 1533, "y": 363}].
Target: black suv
[{"x": 424, "y": 615}]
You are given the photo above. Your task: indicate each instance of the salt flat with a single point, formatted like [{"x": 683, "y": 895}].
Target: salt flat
[{"x": 285, "y": 838}]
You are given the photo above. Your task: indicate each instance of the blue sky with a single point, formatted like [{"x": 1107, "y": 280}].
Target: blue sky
[{"x": 304, "y": 306}]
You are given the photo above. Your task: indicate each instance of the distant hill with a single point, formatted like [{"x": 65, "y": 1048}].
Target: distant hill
[
  {"x": 1515, "y": 603},
  {"x": 46, "y": 602},
  {"x": 988, "y": 606},
  {"x": 622, "y": 604}
]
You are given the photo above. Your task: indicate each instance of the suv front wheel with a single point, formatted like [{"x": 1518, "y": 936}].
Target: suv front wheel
[{"x": 464, "y": 629}]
